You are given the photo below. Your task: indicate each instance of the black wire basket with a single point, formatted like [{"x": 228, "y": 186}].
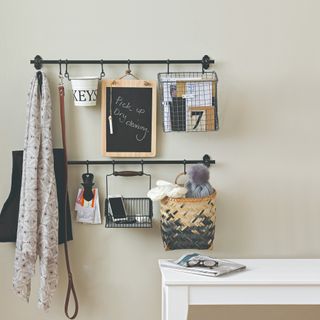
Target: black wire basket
[
  {"x": 188, "y": 101},
  {"x": 139, "y": 211}
]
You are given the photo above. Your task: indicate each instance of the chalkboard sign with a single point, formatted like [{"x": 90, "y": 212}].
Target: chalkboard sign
[{"x": 128, "y": 118}]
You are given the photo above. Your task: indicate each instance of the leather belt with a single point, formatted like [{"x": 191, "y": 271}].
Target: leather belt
[{"x": 71, "y": 289}]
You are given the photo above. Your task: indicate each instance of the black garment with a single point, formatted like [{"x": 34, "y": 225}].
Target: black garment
[{"x": 10, "y": 211}]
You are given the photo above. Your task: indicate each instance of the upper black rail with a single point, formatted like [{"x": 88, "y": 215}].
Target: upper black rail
[{"x": 38, "y": 62}]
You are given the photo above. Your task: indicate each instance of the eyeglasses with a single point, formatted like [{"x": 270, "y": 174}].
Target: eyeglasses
[{"x": 202, "y": 263}]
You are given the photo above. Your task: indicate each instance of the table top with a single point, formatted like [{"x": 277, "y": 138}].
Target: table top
[{"x": 257, "y": 272}]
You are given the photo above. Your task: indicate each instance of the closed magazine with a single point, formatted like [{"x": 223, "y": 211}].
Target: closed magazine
[{"x": 220, "y": 267}]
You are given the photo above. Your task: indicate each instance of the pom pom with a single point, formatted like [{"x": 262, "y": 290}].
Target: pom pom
[{"x": 198, "y": 174}]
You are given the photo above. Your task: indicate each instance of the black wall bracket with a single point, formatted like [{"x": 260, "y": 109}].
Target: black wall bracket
[{"x": 37, "y": 62}]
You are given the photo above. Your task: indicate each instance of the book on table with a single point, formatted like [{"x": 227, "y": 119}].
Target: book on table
[{"x": 202, "y": 265}]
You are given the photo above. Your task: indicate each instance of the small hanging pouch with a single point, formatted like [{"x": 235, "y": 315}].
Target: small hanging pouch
[
  {"x": 88, "y": 211},
  {"x": 188, "y": 223}
]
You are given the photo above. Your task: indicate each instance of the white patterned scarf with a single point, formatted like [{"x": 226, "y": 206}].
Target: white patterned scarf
[{"x": 38, "y": 213}]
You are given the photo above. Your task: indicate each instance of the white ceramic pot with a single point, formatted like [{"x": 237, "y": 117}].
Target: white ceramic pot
[{"x": 84, "y": 91}]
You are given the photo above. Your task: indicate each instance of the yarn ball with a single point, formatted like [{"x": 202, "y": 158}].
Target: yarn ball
[
  {"x": 198, "y": 191},
  {"x": 198, "y": 174}
]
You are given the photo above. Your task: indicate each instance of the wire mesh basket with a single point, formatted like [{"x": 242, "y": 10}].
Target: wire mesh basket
[
  {"x": 139, "y": 214},
  {"x": 189, "y": 101},
  {"x": 139, "y": 211}
]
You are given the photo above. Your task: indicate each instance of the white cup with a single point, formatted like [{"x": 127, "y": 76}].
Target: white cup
[{"x": 84, "y": 90}]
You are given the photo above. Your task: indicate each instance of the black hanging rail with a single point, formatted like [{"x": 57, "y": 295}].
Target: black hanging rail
[
  {"x": 205, "y": 160},
  {"x": 38, "y": 62}
]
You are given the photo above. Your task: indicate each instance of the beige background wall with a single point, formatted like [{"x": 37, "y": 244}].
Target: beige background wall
[{"x": 267, "y": 171}]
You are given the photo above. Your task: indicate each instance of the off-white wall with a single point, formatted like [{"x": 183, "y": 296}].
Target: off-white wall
[{"x": 267, "y": 173}]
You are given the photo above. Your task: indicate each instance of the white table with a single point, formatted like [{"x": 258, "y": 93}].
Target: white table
[{"x": 265, "y": 281}]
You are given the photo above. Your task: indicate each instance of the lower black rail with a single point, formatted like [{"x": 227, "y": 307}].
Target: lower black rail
[{"x": 206, "y": 160}]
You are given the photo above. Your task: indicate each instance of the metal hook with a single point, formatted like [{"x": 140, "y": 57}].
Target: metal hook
[
  {"x": 142, "y": 166},
  {"x": 102, "y": 73},
  {"x": 60, "y": 73},
  {"x": 113, "y": 165},
  {"x": 66, "y": 73},
  {"x": 129, "y": 70},
  {"x": 40, "y": 80},
  {"x": 168, "y": 66},
  {"x": 184, "y": 166},
  {"x": 87, "y": 164}
]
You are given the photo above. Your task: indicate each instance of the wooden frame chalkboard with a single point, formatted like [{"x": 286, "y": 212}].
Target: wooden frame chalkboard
[{"x": 128, "y": 113}]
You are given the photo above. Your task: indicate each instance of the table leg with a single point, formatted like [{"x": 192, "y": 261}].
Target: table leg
[
  {"x": 163, "y": 302},
  {"x": 176, "y": 302}
]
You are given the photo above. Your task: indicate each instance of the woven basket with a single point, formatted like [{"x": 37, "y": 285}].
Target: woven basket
[{"x": 188, "y": 223}]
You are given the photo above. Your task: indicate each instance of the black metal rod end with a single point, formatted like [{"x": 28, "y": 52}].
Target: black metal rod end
[
  {"x": 205, "y": 62},
  {"x": 38, "y": 62},
  {"x": 206, "y": 160}
]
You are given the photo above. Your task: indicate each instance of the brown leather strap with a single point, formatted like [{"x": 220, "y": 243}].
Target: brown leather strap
[{"x": 71, "y": 288}]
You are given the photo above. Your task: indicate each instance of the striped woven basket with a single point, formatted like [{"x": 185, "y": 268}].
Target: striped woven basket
[{"x": 188, "y": 223}]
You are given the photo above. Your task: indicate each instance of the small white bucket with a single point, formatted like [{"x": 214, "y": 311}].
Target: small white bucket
[{"x": 84, "y": 90}]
